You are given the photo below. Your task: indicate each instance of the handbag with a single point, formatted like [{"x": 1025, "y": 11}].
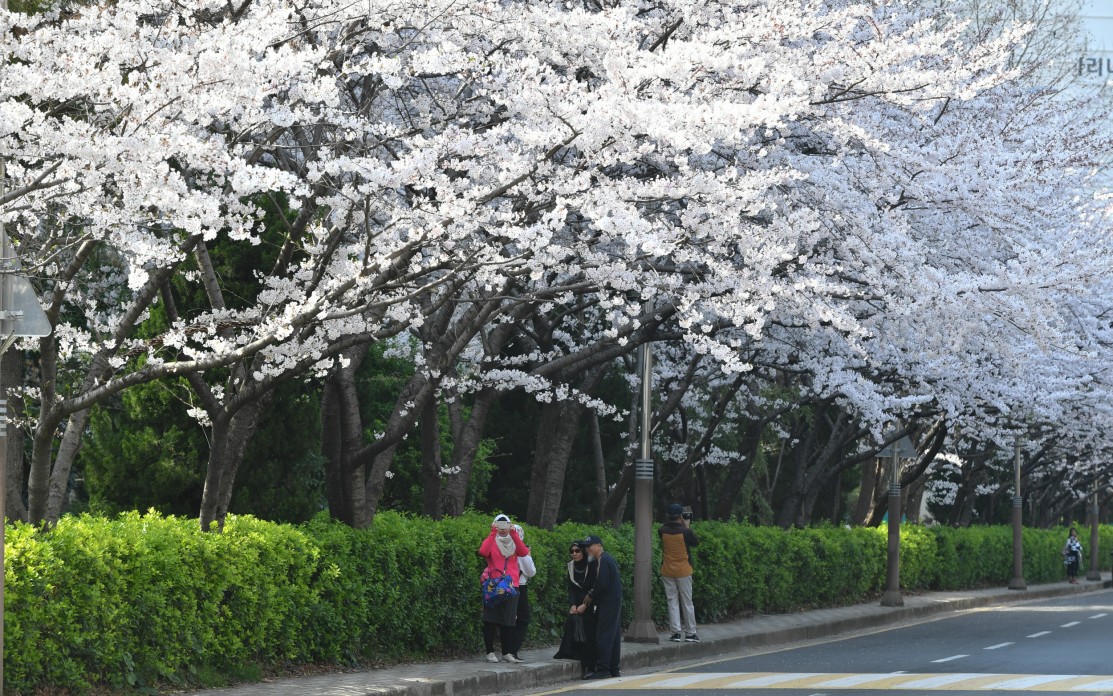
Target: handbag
[
  {"x": 579, "y": 635},
  {"x": 497, "y": 590}
]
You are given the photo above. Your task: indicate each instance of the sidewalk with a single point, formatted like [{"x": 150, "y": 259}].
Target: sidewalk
[{"x": 476, "y": 677}]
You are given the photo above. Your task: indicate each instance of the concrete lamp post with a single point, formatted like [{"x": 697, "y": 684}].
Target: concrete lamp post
[
  {"x": 642, "y": 629},
  {"x": 1094, "y": 573},
  {"x": 901, "y": 449},
  {"x": 1016, "y": 582}
]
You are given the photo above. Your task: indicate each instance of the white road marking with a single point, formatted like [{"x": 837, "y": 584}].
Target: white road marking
[
  {"x": 999, "y": 645},
  {"x": 874, "y": 682},
  {"x": 938, "y": 680},
  {"x": 1041, "y": 633},
  {"x": 1072, "y": 623},
  {"x": 1028, "y": 682},
  {"x": 952, "y": 657},
  {"x": 856, "y": 680},
  {"x": 1098, "y": 616},
  {"x": 770, "y": 679}
]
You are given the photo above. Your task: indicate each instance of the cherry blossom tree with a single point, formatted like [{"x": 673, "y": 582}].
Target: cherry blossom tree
[{"x": 872, "y": 195}]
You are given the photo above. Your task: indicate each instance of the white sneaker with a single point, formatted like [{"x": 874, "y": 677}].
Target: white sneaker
[
  {"x": 491, "y": 657},
  {"x": 510, "y": 658}
]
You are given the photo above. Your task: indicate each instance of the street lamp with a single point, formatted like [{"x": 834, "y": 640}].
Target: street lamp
[
  {"x": 1094, "y": 573},
  {"x": 20, "y": 315},
  {"x": 641, "y": 629},
  {"x": 900, "y": 449},
  {"x": 1016, "y": 582}
]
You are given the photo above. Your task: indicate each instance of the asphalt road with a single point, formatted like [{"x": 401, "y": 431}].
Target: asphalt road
[{"x": 1058, "y": 646}]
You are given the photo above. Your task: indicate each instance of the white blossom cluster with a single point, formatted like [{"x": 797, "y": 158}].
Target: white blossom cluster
[{"x": 871, "y": 194}]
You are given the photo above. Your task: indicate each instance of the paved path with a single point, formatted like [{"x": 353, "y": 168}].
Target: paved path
[{"x": 476, "y": 677}]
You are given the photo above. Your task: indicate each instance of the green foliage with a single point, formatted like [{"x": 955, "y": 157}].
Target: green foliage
[
  {"x": 143, "y": 451},
  {"x": 143, "y": 599},
  {"x": 282, "y": 477}
]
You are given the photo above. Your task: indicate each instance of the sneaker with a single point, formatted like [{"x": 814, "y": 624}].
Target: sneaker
[
  {"x": 676, "y": 638},
  {"x": 510, "y": 658},
  {"x": 491, "y": 657},
  {"x": 691, "y": 638}
]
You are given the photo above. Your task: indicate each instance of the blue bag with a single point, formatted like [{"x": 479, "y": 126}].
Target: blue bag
[{"x": 497, "y": 590}]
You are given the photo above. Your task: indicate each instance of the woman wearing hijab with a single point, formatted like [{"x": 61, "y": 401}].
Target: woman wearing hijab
[
  {"x": 582, "y": 571},
  {"x": 526, "y": 570},
  {"x": 1072, "y": 556},
  {"x": 501, "y": 549}
]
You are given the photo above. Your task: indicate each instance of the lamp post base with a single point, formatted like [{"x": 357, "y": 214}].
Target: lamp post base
[
  {"x": 1017, "y": 584},
  {"x": 641, "y": 631},
  {"x": 892, "y": 598},
  {"x": 1093, "y": 575}
]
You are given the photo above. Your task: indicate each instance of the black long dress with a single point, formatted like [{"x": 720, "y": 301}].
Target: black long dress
[{"x": 581, "y": 578}]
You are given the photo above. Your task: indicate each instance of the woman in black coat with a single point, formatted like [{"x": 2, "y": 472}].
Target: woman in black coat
[{"x": 579, "y": 643}]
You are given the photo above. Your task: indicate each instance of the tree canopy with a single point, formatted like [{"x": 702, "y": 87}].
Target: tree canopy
[{"x": 837, "y": 219}]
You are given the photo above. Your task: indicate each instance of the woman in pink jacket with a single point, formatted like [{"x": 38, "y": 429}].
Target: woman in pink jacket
[{"x": 501, "y": 550}]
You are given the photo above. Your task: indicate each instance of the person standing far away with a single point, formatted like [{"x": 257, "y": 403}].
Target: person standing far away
[
  {"x": 579, "y": 645},
  {"x": 501, "y": 549},
  {"x": 677, "y": 540},
  {"x": 606, "y": 595},
  {"x": 1072, "y": 555},
  {"x": 526, "y": 570}
]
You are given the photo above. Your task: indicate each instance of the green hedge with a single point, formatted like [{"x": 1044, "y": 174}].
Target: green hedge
[{"x": 140, "y": 599}]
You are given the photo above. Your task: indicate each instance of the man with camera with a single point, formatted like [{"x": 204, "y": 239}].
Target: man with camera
[{"x": 677, "y": 540}]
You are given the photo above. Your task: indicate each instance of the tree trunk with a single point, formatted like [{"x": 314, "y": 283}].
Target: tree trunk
[
  {"x": 42, "y": 448},
  {"x": 871, "y": 474},
  {"x": 555, "y": 437},
  {"x": 63, "y": 464},
  {"x": 465, "y": 444},
  {"x": 560, "y": 422},
  {"x": 11, "y": 376},
  {"x": 799, "y": 457},
  {"x": 615, "y": 507},
  {"x": 341, "y": 435},
  {"x": 431, "y": 459},
  {"x": 598, "y": 463},
  {"x": 376, "y": 482},
  {"x": 739, "y": 471},
  {"x": 241, "y": 428}
]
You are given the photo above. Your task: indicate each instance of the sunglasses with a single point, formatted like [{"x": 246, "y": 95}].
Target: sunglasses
[{"x": 575, "y": 550}]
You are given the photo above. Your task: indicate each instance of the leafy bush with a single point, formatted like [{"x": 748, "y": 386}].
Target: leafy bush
[{"x": 141, "y": 599}]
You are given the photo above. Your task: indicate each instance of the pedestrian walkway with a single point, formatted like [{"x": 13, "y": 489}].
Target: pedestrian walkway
[{"x": 476, "y": 677}]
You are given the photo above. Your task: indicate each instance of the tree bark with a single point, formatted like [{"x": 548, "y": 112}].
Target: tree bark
[
  {"x": 555, "y": 437},
  {"x": 341, "y": 435},
  {"x": 465, "y": 445},
  {"x": 431, "y": 459},
  {"x": 867, "y": 502},
  {"x": 597, "y": 461},
  {"x": 11, "y": 374},
  {"x": 739, "y": 471}
]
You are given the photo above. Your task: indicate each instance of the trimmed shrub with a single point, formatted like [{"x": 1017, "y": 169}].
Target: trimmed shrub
[{"x": 142, "y": 598}]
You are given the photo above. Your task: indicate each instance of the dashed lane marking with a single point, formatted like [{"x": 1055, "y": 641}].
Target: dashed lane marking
[
  {"x": 1072, "y": 623},
  {"x": 1041, "y": 633},
  {"x": 999, "y": 645},
  {"x": 893, "y": 681},
  {"x": 952, "y": 657}
]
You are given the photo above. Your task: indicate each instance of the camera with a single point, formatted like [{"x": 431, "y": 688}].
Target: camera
[{"x": 687, "y": 514}]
